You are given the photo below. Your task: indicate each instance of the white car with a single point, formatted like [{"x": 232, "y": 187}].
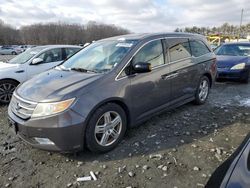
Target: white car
[{"x": 30, "y": 63}]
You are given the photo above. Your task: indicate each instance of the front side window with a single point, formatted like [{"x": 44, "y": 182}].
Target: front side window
[
  {"x": 100, "y": 56},
  {"x": 178, "y": 49},
  {"x": 151, "y": 53},
  {"x": 51, "y": 55},
  {"x": 198, "y": 48}
]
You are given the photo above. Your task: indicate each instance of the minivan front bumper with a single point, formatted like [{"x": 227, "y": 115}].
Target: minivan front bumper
[{"x": 63, "y": 132}]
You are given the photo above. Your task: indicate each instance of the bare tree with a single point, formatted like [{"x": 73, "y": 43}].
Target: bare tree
[{"x": 57, "y": 33}]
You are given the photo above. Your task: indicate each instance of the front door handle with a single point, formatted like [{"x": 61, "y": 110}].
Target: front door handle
[
  {"x": 19, "y": 71},
  {"x": 169, "y": 76}
]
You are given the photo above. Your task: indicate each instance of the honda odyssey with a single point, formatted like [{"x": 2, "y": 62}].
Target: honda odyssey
[{"x": 113, "y": 84}]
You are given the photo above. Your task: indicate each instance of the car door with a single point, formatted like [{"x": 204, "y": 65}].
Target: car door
[
  {"x": 5, "y": 50},
  {"x": 183, "y": 70},
  {"x": 51, "y": 58},
  {"x": 149, "y": 91}
]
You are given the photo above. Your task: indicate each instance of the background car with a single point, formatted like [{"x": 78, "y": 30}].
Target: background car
[
  {"x": 30, "y": 63},
  {"x": 235, "y": 171},
  {"x": 9, "y": 50},
  {"x": 25, "y": 47},
  {"x": 233, "y": 61}
]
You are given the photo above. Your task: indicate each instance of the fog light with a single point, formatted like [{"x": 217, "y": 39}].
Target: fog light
[{"x": 44, "y": 141}]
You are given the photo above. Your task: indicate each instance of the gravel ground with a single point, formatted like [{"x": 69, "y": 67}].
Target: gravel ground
[{"x": 179, "y": 148}]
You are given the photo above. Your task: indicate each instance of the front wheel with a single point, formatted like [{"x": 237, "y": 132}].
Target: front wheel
[
  {"x": 246, "y": 79},
  {"x": 202, "y": 91},
  {"x": 13, "y": 53},
  {"x": 106, "y": 128},
  {"x": 7, "y": 87}
]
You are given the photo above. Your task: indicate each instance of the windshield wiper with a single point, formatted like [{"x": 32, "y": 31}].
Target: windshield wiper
[{"x": 83, "y": 70}]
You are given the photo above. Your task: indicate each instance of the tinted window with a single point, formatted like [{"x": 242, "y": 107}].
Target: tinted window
[
  {"x": 151, "y": 53},
  {"x": 198, "y": 48},
  {"x": 71, "y": 51},
  {"x": 51, "y": 55},
  {"x": 178, "y": 49}
]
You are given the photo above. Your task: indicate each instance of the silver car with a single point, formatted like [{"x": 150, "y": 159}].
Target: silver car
[{"x": 7, "y": 50}]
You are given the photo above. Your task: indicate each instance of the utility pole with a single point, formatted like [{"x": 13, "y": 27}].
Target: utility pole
[{"x": 241, "y": 17}]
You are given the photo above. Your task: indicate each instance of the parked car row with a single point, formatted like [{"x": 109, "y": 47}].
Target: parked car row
[
  {"x": 9, "y": 50},
  {"x": 72, "y": 98}
]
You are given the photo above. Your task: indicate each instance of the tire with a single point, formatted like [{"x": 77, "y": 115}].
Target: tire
[
  {"x": 246, "y": 79},
  {"x": 202, "y": 91},
  {"x": 7, "y": 87},
  {"x": 107, "y": 135},
  {"x": 13, "y": 53}
]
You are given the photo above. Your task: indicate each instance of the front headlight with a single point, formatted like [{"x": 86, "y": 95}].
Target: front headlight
[
  {"x": 239, "y": 66},
  {"x": 46, "y": 109}
]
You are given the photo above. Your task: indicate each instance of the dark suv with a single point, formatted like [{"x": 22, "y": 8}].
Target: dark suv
[{"x": 94, "y": 96}]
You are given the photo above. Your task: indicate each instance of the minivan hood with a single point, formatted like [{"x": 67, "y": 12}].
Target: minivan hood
[
  {"x": 230, "y": 61},
  {"x": 54, "y": 85}
]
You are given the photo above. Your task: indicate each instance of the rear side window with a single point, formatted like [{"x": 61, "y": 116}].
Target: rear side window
[
  {"x": 52, "y": 55},
  {"x": 150, "y": 53},
  {"x": 71, "y": 51},
  {"x": 198, "y": 48},
  {"x": 178, "y": 49}
]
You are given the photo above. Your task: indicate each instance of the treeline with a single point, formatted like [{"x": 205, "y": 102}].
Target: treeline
[
  {"x": 225, "y": 29},
  {"x": 57, "y": 33}
]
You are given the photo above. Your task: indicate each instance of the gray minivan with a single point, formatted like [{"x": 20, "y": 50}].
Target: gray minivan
[{"x": 113, "y": 84}]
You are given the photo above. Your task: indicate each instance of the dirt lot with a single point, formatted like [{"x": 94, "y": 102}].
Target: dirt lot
[{"x": 180, "y": 148}]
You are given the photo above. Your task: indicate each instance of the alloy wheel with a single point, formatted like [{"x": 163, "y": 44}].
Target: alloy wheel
[
  {"x": 6, "y": 91},
  {"x": 203, "y": 90},
  {"x": 108, "y": 128}
]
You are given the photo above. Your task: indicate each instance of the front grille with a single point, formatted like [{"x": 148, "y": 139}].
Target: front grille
[{"x": 21, "y": 107}]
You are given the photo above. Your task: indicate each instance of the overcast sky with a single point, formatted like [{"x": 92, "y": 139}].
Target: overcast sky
[{"x": 135, "y": 15}]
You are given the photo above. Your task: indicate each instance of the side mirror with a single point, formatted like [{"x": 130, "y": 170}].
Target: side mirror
[
  {"x": 37, "y": 61},
  {"x": 142, "y": 67}
]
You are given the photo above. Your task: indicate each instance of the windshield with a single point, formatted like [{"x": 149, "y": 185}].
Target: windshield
[
  {"x": 26, "y": 56},
  {"x": 100, "y": 56},
  {"x": 233, "y": 50}
]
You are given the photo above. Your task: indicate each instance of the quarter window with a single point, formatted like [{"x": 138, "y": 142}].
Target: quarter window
[
  {"x": 198, "y": 48},
  {"x": 151, "y": 53},
  {"x": 179, "y": 49},
  {"x": 51, "y": 55},
  {"x": 71, "y": 51}
]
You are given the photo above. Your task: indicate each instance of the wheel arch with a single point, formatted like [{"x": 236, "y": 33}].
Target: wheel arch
[
  {"x": 208, "y": 75},
  {"x": 115, "y": 100},
  {"x": 11, "y": 79}
]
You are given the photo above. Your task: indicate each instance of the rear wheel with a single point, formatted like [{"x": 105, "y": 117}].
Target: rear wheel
[
  {"x": 106, "y": 128},
  {"x": 202, "y": 90},
  {"x": 7, "y": 87},
  {"x": 13, "y": 53}
]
